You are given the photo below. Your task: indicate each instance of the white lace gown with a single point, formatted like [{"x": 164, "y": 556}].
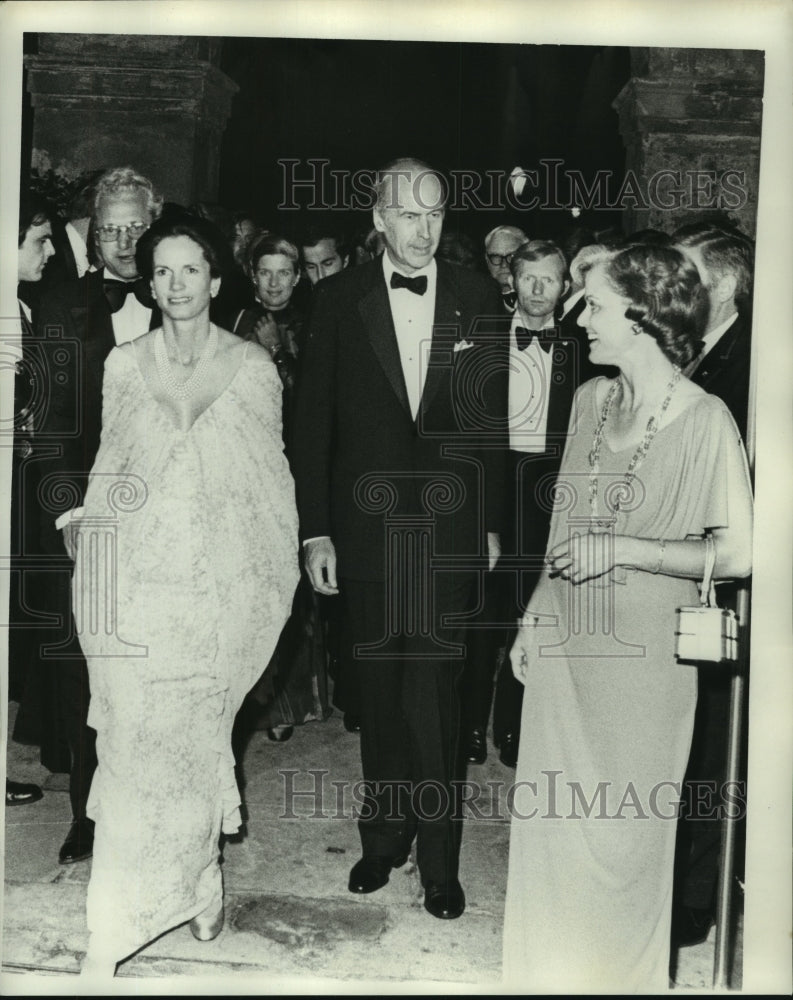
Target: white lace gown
[{"x": 185, "y": 575}]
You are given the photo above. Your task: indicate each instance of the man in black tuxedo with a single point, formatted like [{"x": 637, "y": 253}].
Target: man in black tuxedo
[
  {"x": 89, "y": 316},
  {"x": 500, "y": 245},
  {"x": 724, "y": 260},
  {"x": 399, "y": 429},
  {"x": 545, "y": 370}
]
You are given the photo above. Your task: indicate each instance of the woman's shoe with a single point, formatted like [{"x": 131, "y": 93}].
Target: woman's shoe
[
  {"x": 208, "y": 924},
  {"x": 280, "y": 734}
]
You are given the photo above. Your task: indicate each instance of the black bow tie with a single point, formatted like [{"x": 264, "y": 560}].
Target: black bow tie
[
  {"x": 116, "y": 292},
  {"x": 524, "y": 337},
  {"x": 417, "y": 284}
]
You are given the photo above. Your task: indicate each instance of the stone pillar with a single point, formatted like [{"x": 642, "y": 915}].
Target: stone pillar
[
  {"x": 690, "y": 120},
  {"x": 156, "y": 103}
]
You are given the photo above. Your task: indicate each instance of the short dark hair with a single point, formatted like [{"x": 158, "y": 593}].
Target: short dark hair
[
  {"x": 33, "y": 211},
  {"x": 724, "y": 251},
  {"x": 269, "y": 244},
  {"x": 668, "y": 300},
  {"x": 316, "y": 234},
  {"x": 201, "y": 231}
]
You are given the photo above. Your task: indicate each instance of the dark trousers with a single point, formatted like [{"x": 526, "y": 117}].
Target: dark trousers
[
  {"x": 507, "y": 590},
  {"x": 409, "y": 729},
  {"x": 54, "y": 707}
]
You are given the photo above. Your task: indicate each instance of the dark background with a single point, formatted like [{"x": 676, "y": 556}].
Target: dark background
[{"x": 458, "y": 106}]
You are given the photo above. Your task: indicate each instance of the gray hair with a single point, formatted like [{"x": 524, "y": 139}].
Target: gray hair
[{"x": 125, "y": 180}]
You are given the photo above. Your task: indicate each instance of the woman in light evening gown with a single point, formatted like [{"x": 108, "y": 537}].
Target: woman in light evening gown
[
  {"x": 652, "y": 465},
  {"x": 186, "y": 565}
]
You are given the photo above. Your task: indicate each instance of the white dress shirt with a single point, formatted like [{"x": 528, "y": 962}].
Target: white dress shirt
[
  {"x": 712, "y": 337},
  {"x": 79, "y": 249},
  {"x": 529, "y": 384},
  {"x": 413, "y": 317},
  {"x": 131, "y": 321}
]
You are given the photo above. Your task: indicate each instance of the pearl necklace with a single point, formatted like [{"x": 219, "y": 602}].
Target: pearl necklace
[
  {"x": 638, "y": 456},
  {"x": 188, "y": 388}
]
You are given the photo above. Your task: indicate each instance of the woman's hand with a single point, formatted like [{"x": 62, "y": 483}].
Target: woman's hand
[
  {"x": 583, "y": 556},
  {"x": 266, "y": 332},
  {"x": 519, "y": 654}
]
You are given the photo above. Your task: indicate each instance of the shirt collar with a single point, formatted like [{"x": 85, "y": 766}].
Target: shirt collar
[
  {"x": 518, "y": 320},
  {"x": 712, "y": 337},
  {"x": 389, "y": 268}
]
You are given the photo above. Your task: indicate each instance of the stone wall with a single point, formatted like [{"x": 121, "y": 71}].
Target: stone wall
[
  {"x": 157, "y": 103},
  {"x": 690, "y": 120}
]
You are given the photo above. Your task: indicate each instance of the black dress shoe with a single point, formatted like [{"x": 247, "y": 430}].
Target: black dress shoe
[
  {"x": 352, "y": 723},
  {"x": 79, "y": 843},
  {"x": 690, "y": 925},
  {"x": 509, "y": 750},
  {"x": 19, "y": 793},
  {"x": 476, "y": 747},
  {"x": 371, "y": 872},
  {"x": 444, "y": 900}
]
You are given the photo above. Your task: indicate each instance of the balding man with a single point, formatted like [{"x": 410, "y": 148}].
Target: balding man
[{"x": 396, "y": 448}]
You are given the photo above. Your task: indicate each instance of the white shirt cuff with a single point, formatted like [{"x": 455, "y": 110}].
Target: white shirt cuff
[
  {"x": 316, "y": 538},
  {"x": 71, "y": 515}
]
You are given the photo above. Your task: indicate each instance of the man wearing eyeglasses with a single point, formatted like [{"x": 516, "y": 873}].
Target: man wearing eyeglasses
[
  {"x": 500, "y": 246},
  {"x": 90, "y": 316}
]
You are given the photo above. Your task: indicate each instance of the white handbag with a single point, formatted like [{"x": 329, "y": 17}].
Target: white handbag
[{"x": 707, "y": 632}]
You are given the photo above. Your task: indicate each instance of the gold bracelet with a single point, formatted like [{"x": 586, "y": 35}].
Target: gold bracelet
[{"x": 661, "y": 550}]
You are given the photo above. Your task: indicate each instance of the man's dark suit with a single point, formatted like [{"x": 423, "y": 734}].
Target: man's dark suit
[
  {"x": 724, "y": 371},
  {"x": 377, "y": 483},
  {"x": 74, "y": 329}
]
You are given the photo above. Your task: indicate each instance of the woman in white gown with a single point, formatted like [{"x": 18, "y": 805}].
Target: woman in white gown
[{"x": 186, "y": 565}]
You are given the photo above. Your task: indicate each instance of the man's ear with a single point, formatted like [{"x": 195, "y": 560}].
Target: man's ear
[
  {"x": 725, "y": 288},
  {"x": 378, "y": 220},
  {"x": 565, "y": 288},
  {"x": 345, "y": 261}
]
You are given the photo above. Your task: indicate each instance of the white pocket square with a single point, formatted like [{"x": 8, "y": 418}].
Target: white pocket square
[{"x": 462, "y": 345}]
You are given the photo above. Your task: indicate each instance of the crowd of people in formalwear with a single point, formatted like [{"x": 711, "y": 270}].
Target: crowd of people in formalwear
[{"x": 400, "y": 471}]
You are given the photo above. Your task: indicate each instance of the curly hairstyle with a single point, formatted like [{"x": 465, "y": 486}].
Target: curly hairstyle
[
  {"x": 668, "y": 300},
  {"x": 126, "y": 180},
  {"x": 206, "y": 234}
]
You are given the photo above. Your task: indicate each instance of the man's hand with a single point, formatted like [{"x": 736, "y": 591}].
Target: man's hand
[
  {"x": 321, "y": 565},
  {"x": 71, "y": 537},
  {"x": 493, "y": 548}
]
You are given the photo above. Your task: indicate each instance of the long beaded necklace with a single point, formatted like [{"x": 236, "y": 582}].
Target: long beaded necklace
[
  {"x": 186, "y": 389},
  {"x": 638, "y": 456}
]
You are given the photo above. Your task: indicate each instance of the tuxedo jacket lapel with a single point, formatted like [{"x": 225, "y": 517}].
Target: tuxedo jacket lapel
[
  {"x": 375, "y": 312},
  {"x": 445, "y": 330}
]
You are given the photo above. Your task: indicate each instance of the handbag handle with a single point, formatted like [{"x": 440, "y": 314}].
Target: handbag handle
[{"x": 707, "y": 593}]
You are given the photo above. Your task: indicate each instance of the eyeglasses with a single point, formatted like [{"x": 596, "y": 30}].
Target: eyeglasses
[
  {"x": 109, "y": 234},
  {"x": 499, "y": 259}
]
